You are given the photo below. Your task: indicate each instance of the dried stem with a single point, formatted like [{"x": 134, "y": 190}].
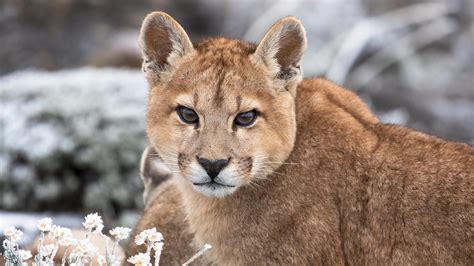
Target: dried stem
[{"x": 198, "y": 254}]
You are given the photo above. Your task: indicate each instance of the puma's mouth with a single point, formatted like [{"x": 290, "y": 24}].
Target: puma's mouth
[
  {"x": 212, "y": 184},
  {"x": 214, "y": 189}
]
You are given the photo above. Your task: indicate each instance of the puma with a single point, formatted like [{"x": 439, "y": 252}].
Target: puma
[{"x": 273, "y": 169}]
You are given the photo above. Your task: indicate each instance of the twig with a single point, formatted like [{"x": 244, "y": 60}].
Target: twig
[{"x": 198, "y": 254}]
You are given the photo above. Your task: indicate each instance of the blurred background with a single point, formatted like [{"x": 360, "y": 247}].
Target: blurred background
[{"x": 72, "y": 121}]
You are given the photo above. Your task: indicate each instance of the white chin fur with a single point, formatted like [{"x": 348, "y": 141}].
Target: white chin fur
[{"x": 214, "y": 191}]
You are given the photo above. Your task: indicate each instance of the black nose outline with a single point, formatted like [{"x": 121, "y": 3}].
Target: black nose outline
[{"x": 213, "y": 168}]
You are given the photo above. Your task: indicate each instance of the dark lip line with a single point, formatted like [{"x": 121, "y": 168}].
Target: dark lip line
[{"x": 212, "y": 182}]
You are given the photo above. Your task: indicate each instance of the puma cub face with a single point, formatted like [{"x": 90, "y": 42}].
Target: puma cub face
[{"x": 221, "y": 114}]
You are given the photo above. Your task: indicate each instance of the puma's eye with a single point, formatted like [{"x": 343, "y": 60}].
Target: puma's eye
[
  {"x": 245, "y": 119},
  {"x": 187, "y": 115}
]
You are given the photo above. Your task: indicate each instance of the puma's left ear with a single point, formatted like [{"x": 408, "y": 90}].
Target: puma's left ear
[
  {"x": 162, "y": 42},
  {"x": 281, "y": 49}
]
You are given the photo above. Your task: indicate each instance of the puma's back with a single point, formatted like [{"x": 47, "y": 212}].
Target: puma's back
[
  {"x": 269, "y": 169},
  {"x": 403, "y": 197}
]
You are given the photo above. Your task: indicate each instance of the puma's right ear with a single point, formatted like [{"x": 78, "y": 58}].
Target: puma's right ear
[
  {"x": 153, "y": 172},
  {"x": 162, "y": 42},
  {"x": 281, "y": 49}
]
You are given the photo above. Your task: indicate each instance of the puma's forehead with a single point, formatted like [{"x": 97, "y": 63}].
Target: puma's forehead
[
  {"x": 235, "y": 101},
  {"x": 224, "y": 46},
  {"x": 221, "y": 74}
]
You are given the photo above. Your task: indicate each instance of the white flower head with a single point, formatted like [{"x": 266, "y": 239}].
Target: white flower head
[
  {"x": 59, "y": 232},
  {"x": 24, "y": 254},
  {"x": 155, "y": 237},
  {"x": 150, "y": 234},
  {"x": 9, "y": 231},
  {"x": 141, "y": 259},
  {"x": 13, "y": 234},
  {"x": 120, "y": 233},
  {"x": 93, "y": 222},
  {"x": 140, "y": 239},
  {"x": 45, "y": 224}
]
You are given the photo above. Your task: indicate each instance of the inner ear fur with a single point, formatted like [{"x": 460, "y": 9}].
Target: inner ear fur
[
  {"x": 162, "y": 42},
  {"x": 282, "y": 48}
]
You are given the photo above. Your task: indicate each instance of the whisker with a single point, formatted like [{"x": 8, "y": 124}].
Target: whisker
[
  {"x": 255, "y": 185},
  {"x": 279, "y": 163}
]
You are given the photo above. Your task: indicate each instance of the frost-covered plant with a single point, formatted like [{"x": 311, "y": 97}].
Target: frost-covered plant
[
  {"x": 93, "y": 224},
  {"x": 61, "y": 236},
  {"x": 153, "y": 241},
  {"x": 83, "y": 251},
  {"x": 12, "y": 252},
  {"x": 118, "y": 234}
]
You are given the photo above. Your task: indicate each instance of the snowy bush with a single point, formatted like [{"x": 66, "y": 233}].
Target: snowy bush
[{"x": 71, "y": 140}]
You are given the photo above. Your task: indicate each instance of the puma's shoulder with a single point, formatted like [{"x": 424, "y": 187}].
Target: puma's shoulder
[
  {"x": 326, "y": 95},
  {"x": 335, "y": 115}
]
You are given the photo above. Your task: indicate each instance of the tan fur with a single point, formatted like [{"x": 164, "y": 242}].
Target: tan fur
[{"x": 326, "y": 182}]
